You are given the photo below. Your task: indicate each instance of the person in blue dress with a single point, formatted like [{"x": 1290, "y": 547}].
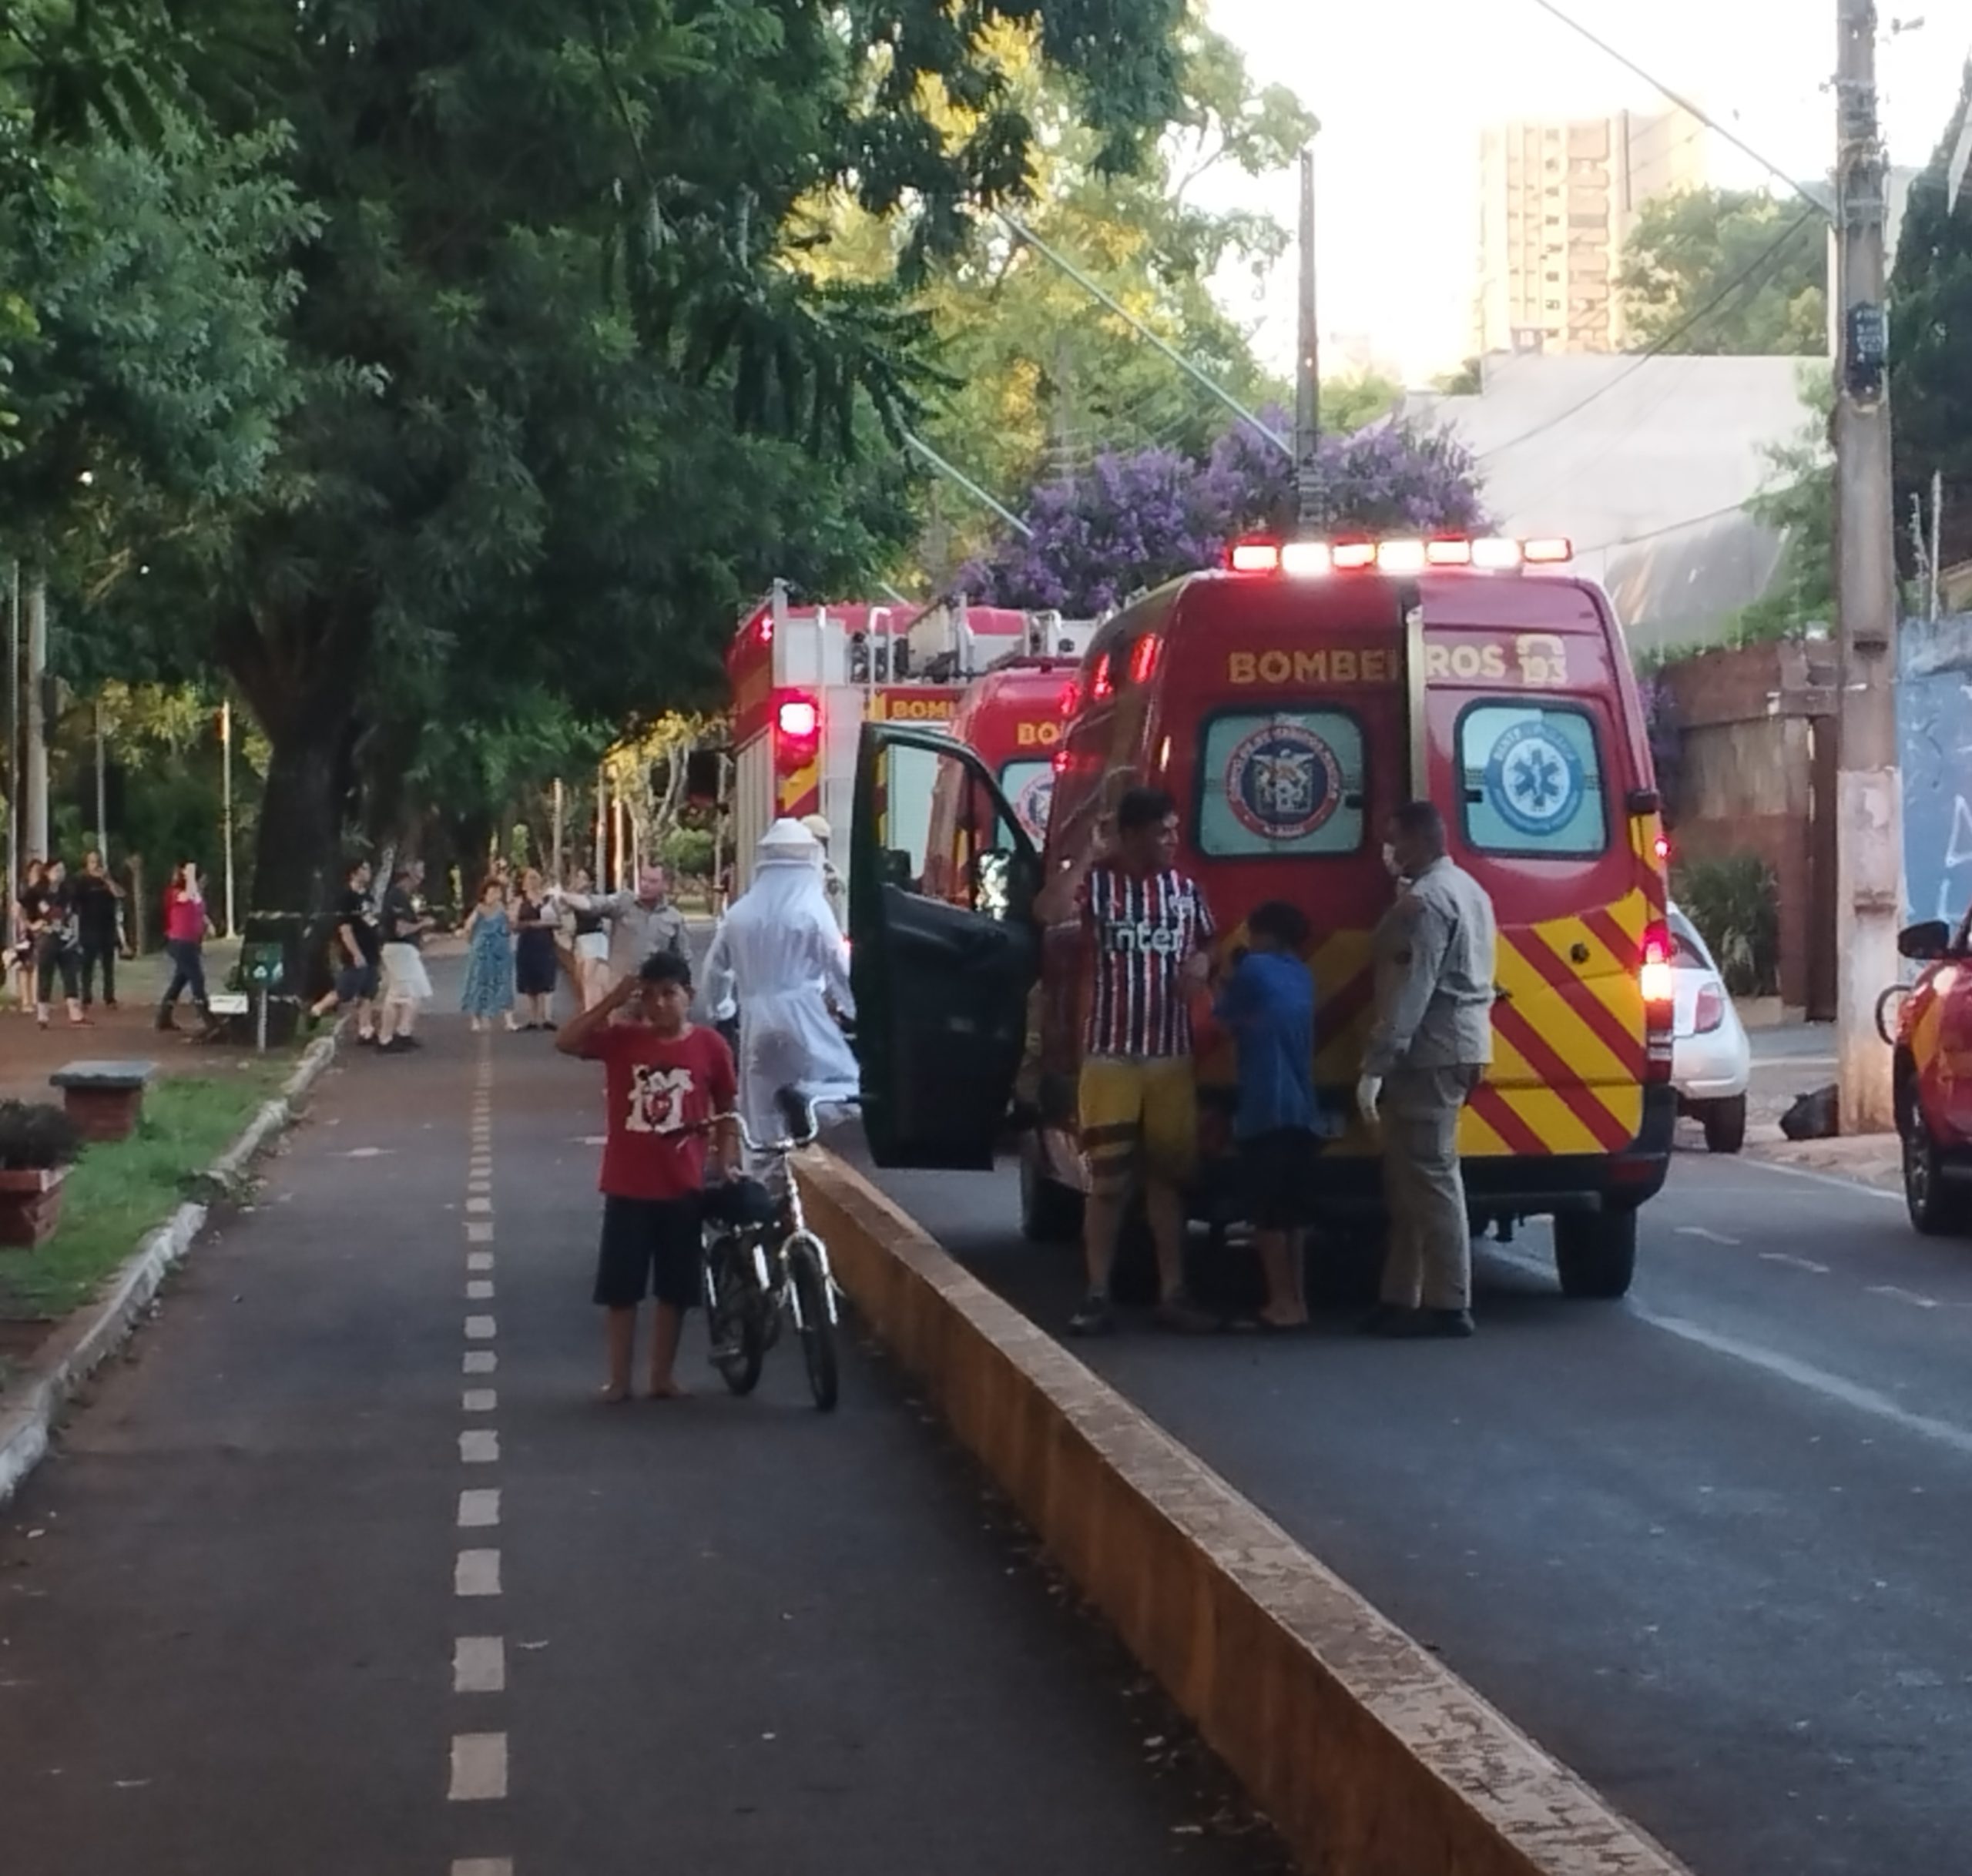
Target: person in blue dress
[{"x": 489, "y": 960}]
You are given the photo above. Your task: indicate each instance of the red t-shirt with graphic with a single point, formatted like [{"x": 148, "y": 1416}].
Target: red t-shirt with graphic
[{"x": 659, "y": 1087}]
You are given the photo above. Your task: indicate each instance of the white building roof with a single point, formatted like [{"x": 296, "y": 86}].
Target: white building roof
[{"x": 1646, "y": 463}]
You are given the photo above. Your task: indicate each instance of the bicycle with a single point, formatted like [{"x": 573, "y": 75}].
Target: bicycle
[
  {"x": 764, "y": 1268},
  {"x": 1889, "y": 1012}
]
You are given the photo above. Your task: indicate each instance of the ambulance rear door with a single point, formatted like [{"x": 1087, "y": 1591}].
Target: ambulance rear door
[
  {"x": 1530, "y": 758},
  {"x": 941, "y": 977}
]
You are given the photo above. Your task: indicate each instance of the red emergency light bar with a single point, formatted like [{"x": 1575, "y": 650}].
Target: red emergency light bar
[{"x": 1489, "y": 553}]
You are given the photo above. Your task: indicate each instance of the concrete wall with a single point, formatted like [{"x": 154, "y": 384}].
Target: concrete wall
[
  {"x": 1934, "y": 749},
  {"x": 1754, "y": 766}
]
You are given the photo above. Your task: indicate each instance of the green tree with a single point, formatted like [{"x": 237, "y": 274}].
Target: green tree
[
  {"x": 1798, "y": 501},
  {"x": 1041, "y": 375},
  {"x": 1930, "y": 344},
  {"x": 1726, "y": 270},
  {"x": 565, "y": 386}
]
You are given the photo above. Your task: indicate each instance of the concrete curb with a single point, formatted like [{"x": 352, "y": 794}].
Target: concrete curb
[
  {"x": 1370, "y": 1757},
  {"x": 58, "y": 1371}
]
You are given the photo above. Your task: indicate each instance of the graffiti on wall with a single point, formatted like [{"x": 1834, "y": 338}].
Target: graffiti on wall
[{"x": 1934, "y": 751}]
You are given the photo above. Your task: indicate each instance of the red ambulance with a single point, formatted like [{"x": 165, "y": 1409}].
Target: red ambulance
[{"x": 1290, "y": 702}]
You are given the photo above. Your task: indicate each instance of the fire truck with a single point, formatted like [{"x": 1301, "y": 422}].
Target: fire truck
[{"x": 805, "y": 679}]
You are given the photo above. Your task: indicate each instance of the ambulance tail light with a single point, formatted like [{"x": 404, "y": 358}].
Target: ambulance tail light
[
  {"x": 1448, "y": 552},
  {"x": 1555, "y": 550},
  {"x": 1348, "y": 556},
  {"x": 1304, "y": 558},
  {"x": 798, "y": 732},
  {"x": 1401, "y": 557},
  {"x": 1488, "y": 553},
  {"x": 1655, "y": 978},
  {"x": 1496, "y": 555}
]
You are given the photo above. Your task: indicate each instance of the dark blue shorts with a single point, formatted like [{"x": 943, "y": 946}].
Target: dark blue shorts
[
  {"x": 356, "y": 983},
  {"x": 1277, "y": 1178},
  {"x": 651, "y": 1247}
]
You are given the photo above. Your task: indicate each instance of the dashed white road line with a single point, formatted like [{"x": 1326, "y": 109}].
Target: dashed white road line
[
  {"x": 483, "y": 1866},
  {"x": 479, "y": 1446},
  {"x": 479, "y": 1664},
  {"x": 479, "y": 1509},
  {"x": 480, "y": 1328},
  {"x": 1898, "y": 1294},
  {"x": 479, "y": 1204},
  {"x": 1705, "y": 1231},
  {"x": 1793, "y": 1262},
  {"x": 476, "y": 1572},
  {"x": 478, "y": 1231},
  {"x": 479, "y": 1400},
  {"x": 479, "y": 1290},
  {"x": 479, "y": 1260},
  {"x": 479, "y": 1766},
  {"x": 479, "y": 1362}
]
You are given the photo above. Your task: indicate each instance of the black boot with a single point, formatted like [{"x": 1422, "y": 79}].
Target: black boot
[{"x": 164, "y": 1020}]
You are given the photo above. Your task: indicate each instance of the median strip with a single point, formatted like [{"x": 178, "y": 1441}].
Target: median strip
[{"x": 1369, "y": 1756}]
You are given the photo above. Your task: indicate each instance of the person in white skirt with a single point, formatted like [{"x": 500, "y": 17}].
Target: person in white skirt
[
  {"x": 407, "y": 985},
  {"x": 590, "y": 939}
]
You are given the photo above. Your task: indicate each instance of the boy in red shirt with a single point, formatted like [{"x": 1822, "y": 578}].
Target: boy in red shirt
[{"x": 666, "y": 1079}]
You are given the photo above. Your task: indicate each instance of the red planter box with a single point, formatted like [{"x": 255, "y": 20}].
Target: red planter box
[
  {"x": 102, "y": 1114},
  {"x": 30, "y": 1206}
]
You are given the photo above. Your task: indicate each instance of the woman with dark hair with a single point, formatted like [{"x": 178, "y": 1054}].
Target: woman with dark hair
[
  {"x": 186, "y": 929},
  {"x": 51, "y": 910},
  {"x": 20, "y": 935}
]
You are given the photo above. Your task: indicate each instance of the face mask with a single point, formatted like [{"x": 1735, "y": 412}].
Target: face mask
[{"x": 1391, "y": 865}]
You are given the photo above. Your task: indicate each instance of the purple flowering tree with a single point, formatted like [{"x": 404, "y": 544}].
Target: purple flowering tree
[{"x": 1132, "y": 522}]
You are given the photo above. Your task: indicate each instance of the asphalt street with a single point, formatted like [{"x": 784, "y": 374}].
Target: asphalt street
[
  {"x": 1709, "y": 1545},
  {"x": 346, "y": 1569}
]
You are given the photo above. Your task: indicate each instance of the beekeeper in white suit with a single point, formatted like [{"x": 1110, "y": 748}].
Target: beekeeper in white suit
[{"x": 779, "y": 955}]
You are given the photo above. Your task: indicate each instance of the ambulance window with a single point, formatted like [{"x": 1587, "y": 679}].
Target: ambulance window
[
  {"x": 1028, "y": 785},
  {"x": 1531, "y": 780},
  {"x": 1282, "y": 781},
  {"x": 938, "y": 831}
]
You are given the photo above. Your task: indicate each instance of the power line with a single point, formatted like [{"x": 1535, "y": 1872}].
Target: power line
[
  {"x": 1684, "y": 104},
  {"x": 1760, "y": 261}
]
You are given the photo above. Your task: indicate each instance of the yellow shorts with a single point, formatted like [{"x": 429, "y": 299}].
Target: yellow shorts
[{"x": 1131, "y": 1109}]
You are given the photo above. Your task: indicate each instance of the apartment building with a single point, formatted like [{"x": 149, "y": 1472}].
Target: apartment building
[{"x": 1557, "y": 200}]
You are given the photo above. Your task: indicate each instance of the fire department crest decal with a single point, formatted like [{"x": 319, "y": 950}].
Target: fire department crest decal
[
  {"x": 1535, "y": 779},
  {"x": 1282, "y": 782},
  {"x": 1031, "y": 804}
]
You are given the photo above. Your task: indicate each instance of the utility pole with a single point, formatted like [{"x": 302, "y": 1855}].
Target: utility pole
[
  {"x": 1308, "y": 371},
  {"x": 35, "y": 791},
  {"x": 554, "y": 843},
  {"x": 102, "y": 791},
  {"x": 15, "y": 766},
  {"x": 1869, "y": 802}
]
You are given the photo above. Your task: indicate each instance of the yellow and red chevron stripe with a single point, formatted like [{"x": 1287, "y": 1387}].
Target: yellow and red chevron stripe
[{"x": 1568, "y": 1038}]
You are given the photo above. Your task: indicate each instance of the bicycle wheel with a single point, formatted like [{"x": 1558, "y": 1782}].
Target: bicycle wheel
[
  {"x": 734, "y": 1317},
  {"x": 818, "y": 1329}
]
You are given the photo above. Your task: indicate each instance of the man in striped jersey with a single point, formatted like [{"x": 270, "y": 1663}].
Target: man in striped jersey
[{"x": 1146, "y": 929}]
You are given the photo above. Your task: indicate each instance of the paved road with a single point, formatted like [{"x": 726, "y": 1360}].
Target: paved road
[
  {"x": 346, "y": 1552},
  {"x": 1710, "y": 1545}
]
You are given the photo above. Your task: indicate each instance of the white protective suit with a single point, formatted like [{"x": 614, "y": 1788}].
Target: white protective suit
[{"x": 780, "y": 955}]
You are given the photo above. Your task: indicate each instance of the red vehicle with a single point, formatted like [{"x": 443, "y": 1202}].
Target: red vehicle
[
  {"x": 1933, "y": 1069},
  {"x": 1290, "y": 703}
]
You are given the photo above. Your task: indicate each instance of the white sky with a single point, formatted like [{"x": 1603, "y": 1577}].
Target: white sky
[{"x": 1403, "y": 87}]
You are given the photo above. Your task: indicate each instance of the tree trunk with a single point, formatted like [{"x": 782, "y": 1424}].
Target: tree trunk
[{"x": 296, "y": 854}]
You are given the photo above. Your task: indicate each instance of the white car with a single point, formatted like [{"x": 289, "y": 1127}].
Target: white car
[{"x": 1712, "y": 1062}]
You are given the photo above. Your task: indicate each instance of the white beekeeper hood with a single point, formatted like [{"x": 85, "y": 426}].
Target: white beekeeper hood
[{"x": 788, "y": 843}]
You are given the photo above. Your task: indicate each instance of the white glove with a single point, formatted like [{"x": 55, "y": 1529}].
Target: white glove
[{"x": 1366, "y": 1092}]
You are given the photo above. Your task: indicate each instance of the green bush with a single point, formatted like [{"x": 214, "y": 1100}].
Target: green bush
[
  {"x": 687, "y": 851},
  {"x": 1735, "y": 903}
]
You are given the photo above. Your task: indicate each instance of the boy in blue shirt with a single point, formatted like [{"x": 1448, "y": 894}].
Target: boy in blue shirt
[{"x": 1268, "y": 1003}]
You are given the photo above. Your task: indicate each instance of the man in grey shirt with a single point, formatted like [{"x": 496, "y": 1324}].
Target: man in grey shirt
[
  {"x": 1428, "y": 1050},
  {"x": 641, "y": 923}
]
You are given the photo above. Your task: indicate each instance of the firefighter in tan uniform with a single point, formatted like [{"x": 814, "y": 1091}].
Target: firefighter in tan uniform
[{"x": 1428, "y": 1051}]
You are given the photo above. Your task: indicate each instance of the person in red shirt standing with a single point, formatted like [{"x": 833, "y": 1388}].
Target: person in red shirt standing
[
  {"x": 668, "y": 1083},
  {"x": 186, "y": 925}
]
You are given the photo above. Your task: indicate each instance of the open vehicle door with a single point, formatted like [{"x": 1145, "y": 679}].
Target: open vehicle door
[{"x": 941, "y": 977}]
